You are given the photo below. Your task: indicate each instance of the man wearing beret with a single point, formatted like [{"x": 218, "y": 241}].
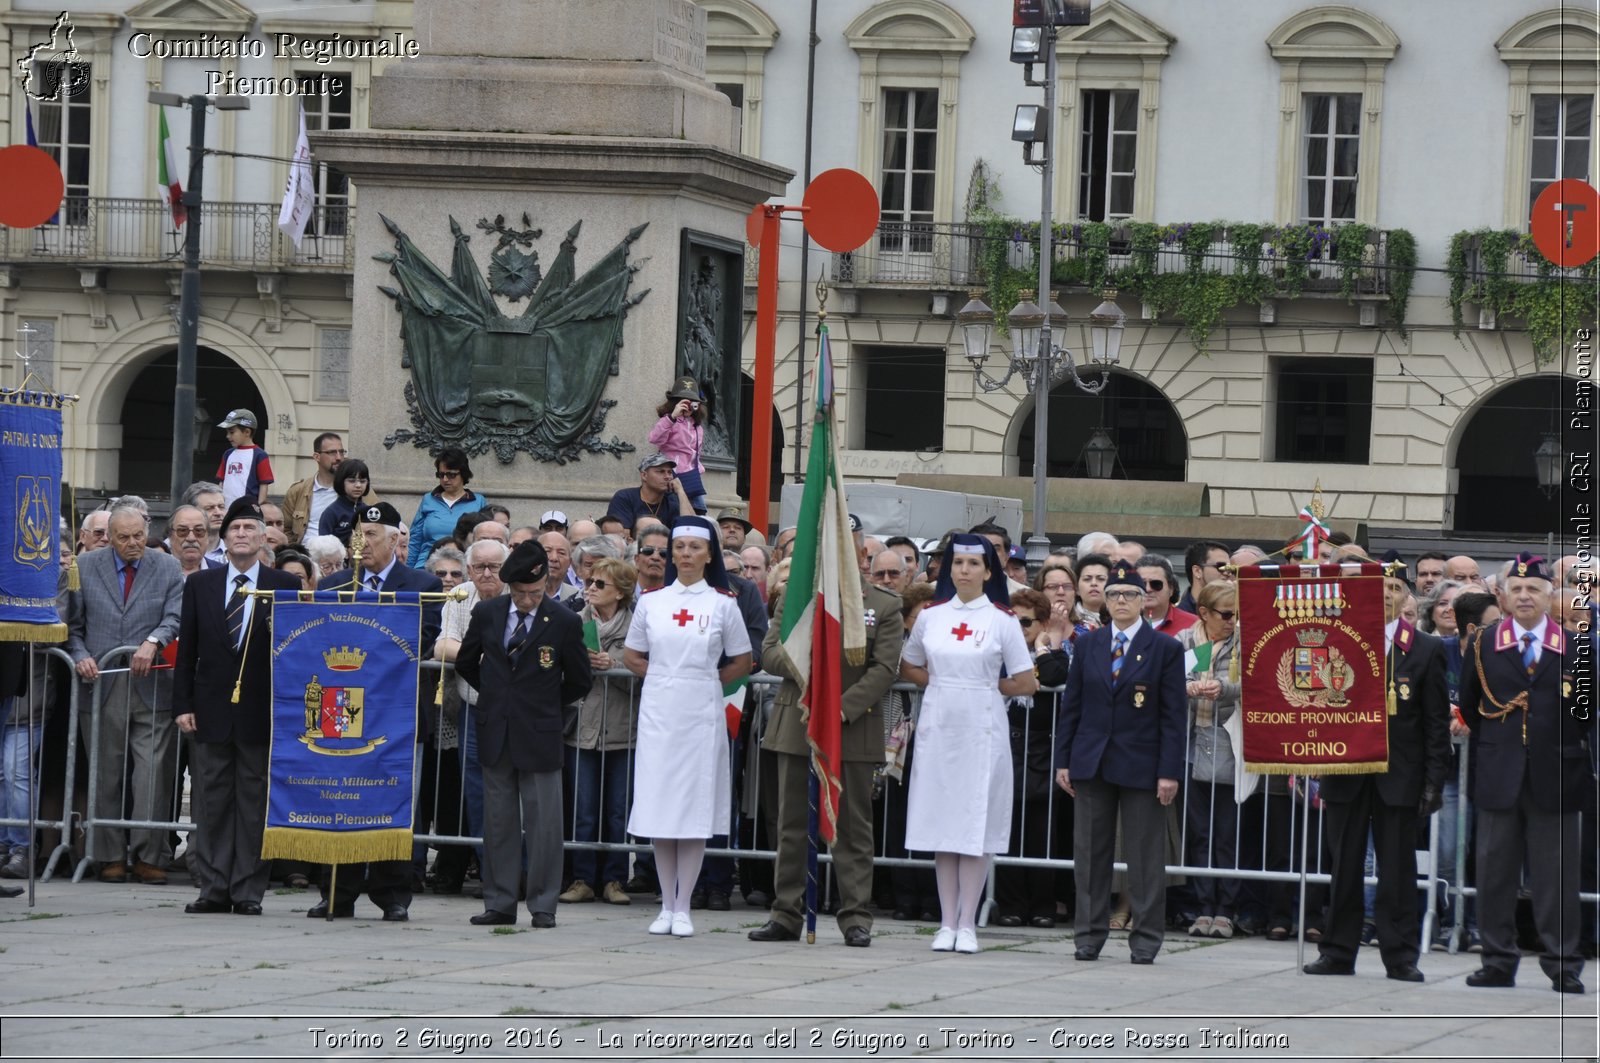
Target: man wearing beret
[
  {"x": 1120, "y": 752},
  {"x": 1391, "y": 805},
  {"x": 1518, "y": 682},
  {"x": 525, "y": 657},
  {"x": 383, "y": 568},
  {"x": 224, "y": 643}
]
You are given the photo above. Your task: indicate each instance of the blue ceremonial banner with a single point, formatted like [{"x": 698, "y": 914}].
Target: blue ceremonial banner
[
  {"x": 344, "y": 723},
  {"x": 30, "y": 539}
]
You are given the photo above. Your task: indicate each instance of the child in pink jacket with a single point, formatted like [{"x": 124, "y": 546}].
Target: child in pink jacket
[{"x": 681, "y": 433}]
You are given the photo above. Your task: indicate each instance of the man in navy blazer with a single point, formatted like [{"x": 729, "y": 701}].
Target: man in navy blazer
[
  {"x": 523, "y": 653},
  {"x": 383, "y": 568},
  {"x": 224, "y": 643},
  {"x": 1120, "y": 738}
]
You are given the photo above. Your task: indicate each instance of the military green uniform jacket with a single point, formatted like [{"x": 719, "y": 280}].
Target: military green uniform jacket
[{"x": 864, "y": 684}]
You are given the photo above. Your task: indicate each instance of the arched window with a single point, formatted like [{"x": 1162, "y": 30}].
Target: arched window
[
  {"x": 738, "y": 37},
  {"x": 1332, "y": 62},
  {"x": 1550, "y": 132}
]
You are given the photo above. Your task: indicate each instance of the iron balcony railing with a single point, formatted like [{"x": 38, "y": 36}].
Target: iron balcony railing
[
  {"x": 949, "y": 255},
  {"x": 94, "y": 230}
]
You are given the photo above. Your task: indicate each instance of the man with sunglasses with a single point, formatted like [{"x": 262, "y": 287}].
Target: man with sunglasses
[
  {"x": 305, "y": 500},
  {"x": 1160, "y": 591},
  {"x": 649, "y": 557},
  {"x": 1204, "y": 562}
]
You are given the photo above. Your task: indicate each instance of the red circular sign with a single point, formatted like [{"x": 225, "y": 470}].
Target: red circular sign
[
  {"x": 841, "y": 209},
  {"x": 1566, "y": 222},
  {"x": 753, "y": 224},
  {"x": 31, "y": 187}
]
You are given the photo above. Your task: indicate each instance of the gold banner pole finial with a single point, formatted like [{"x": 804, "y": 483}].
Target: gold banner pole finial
[
  {"x": 1318, "y": 510},
  {"x": 822, "y": 301}
]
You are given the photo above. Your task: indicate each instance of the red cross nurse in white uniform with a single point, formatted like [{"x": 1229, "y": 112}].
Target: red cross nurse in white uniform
[
  {"x": 687, "y": 639},
  {"x": 968, "y": 650}
]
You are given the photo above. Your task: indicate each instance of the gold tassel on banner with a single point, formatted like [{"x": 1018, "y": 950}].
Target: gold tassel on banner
[
  {"x": 1389, "y": 701},
  {"x": 335, "y": 847},
  {"x": 1233, "y": 664}
]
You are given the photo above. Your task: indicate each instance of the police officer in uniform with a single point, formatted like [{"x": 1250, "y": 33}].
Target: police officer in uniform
[
  {"x": 1533, "y": 775},
  {"x": 861, "y": 745},
  {"x": 1391, "y": 804}
]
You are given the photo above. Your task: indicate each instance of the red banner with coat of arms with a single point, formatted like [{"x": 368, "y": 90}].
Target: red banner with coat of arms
[{"x": 1312, "y": 669}]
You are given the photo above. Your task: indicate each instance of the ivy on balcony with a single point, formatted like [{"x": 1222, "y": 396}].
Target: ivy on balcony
[
  {"x": 1502, "y": 272},
  {"x": 1193, "y": 272}
]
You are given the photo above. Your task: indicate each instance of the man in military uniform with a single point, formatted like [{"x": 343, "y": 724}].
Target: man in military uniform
[
  {"x": 864, "y": 685},
  {"x": 1533, "y": 775},
  {"x": 1390, "y": 804}
]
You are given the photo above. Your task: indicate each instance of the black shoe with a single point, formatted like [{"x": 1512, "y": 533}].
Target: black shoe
[
  {"x": 1009, "y": 920},
  {"x": 493, "y": 918},
  {"x": 928, "y": 916},
  {"x": 1043, "y": 922},
  {"x": 543, "y": 921},
  {"x": 641, "y": 884},
  {"x": 1567, "y": 983},
  {"x": 10, "y": 891},
  {"x": 1405, "y": 972},
  {"x": 320, "y": 911},
  {"x": 697, "y": 899},
  {"x": 758, "y": 899},
  {"x": 450, "y": 886},
  {"x": 205, "y": 907},
  {"x": 1084, "y": 952},
  {"x": 247, "y": 908},
  {"x": 1144, "y": 960},
  {"x": 1323, "y": 965},
  {"x": 859, "y": 937},
  {"x": 903, "y": 915},
  {"x": 1491, "y": 978},
  {"x": 396, "y": 913},
  {"x": 16, "y": 865},
  {"x": 776, "y": 931},
  {"x": 716, "y": 901}
]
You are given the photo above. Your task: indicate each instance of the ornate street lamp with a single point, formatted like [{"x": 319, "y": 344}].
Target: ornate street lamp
[
  {"x": 1032, "y": 337},
  {"x": 1547, "y": 464},
  {"x": 1100, "y": 455}
]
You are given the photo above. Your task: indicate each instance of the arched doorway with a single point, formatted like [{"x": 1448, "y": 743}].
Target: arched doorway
[
  {"x": 145, "y": 465},
  {"x": 747, "y": 391},
  {"x": 1144, "y": 425},
  {"x": 1497, "y": 489}
]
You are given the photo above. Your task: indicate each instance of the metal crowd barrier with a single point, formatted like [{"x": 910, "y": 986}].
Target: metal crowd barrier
[
  {"x": 36, "y": 770},
  {"x": 1456, "y": 892}
]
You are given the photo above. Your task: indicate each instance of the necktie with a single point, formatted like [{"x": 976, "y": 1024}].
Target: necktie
[
  {"x": 1529, "y": 661},
  {"x": 1116, "y": 655},
  {"x": 519, "y": 637},
  {"x": 374, "y": 582},
  {"x": 235, "y": 613},
  {"x": 127, "y": 580}
]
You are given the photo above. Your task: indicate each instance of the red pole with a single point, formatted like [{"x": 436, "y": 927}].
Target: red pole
[{"x": 766, "y": 356}]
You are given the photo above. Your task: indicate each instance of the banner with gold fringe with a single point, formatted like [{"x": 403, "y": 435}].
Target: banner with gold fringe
[
  {"x": 1313, "y": 684},
  {"x": 344, "y": 719},
  {"x": 30, "y": 536}
]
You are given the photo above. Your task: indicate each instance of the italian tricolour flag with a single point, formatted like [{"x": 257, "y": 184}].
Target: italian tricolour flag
[
  {"x": 167, "y": 175},
  {"x": 822, "y": 610}
]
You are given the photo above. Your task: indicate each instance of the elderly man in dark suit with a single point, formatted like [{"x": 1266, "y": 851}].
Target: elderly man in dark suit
[
  {"x": 1120, "y": 736},
  {"x": 1519, "y": 683},
  {"x": 861, "y": 746},
  {"x": 1391, "y": 804},
  {"x": 224, "y": 643},
  {"x": 383, "y": 569},
  {"x": 129, "y": 596},
  {"x": 524, "y": 655}
]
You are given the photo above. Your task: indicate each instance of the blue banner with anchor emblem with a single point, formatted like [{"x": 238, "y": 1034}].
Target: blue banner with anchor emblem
[
  {"x": 30, "y": 537},
  {"x": 344, "y": 722}
]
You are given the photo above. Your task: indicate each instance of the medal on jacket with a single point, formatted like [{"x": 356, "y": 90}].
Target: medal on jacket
[
  {"x": 1138, "y": 699},
  {"x": 1405, "y": 690},
  {"x": 547, "y": 657},
  {"x": 704, "y": 621},
  {"x": 1566, "y": 686}
]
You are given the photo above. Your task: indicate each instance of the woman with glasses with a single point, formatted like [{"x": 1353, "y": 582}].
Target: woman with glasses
[
  {"x": 1027, "y": 894},
  {"x": 1058, "y": 583},
  {"x": 682, "y": 785},
  {"x": 969, "y": 652},
  {"x": 353, "y": 485},
  {"x": 443, "y": 506},
  {"x": 600, "y": 738},
  {"x": 1216, "y": 757}
]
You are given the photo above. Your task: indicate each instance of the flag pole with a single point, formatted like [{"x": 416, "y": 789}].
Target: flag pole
[{"x": 813, "y": 794}]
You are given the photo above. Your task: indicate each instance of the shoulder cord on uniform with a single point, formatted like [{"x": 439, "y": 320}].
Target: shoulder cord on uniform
[{"x": 1506, "y": 708}]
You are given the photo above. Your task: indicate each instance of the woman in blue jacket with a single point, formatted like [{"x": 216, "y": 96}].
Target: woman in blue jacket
[{"x": 443, "y": 506}]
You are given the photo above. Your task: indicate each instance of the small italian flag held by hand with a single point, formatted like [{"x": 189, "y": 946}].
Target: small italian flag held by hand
[
  {"x": 167, "y": 175},
  {"x": 1198, "y": 659},
  {"x": 733, "y": 695}
]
